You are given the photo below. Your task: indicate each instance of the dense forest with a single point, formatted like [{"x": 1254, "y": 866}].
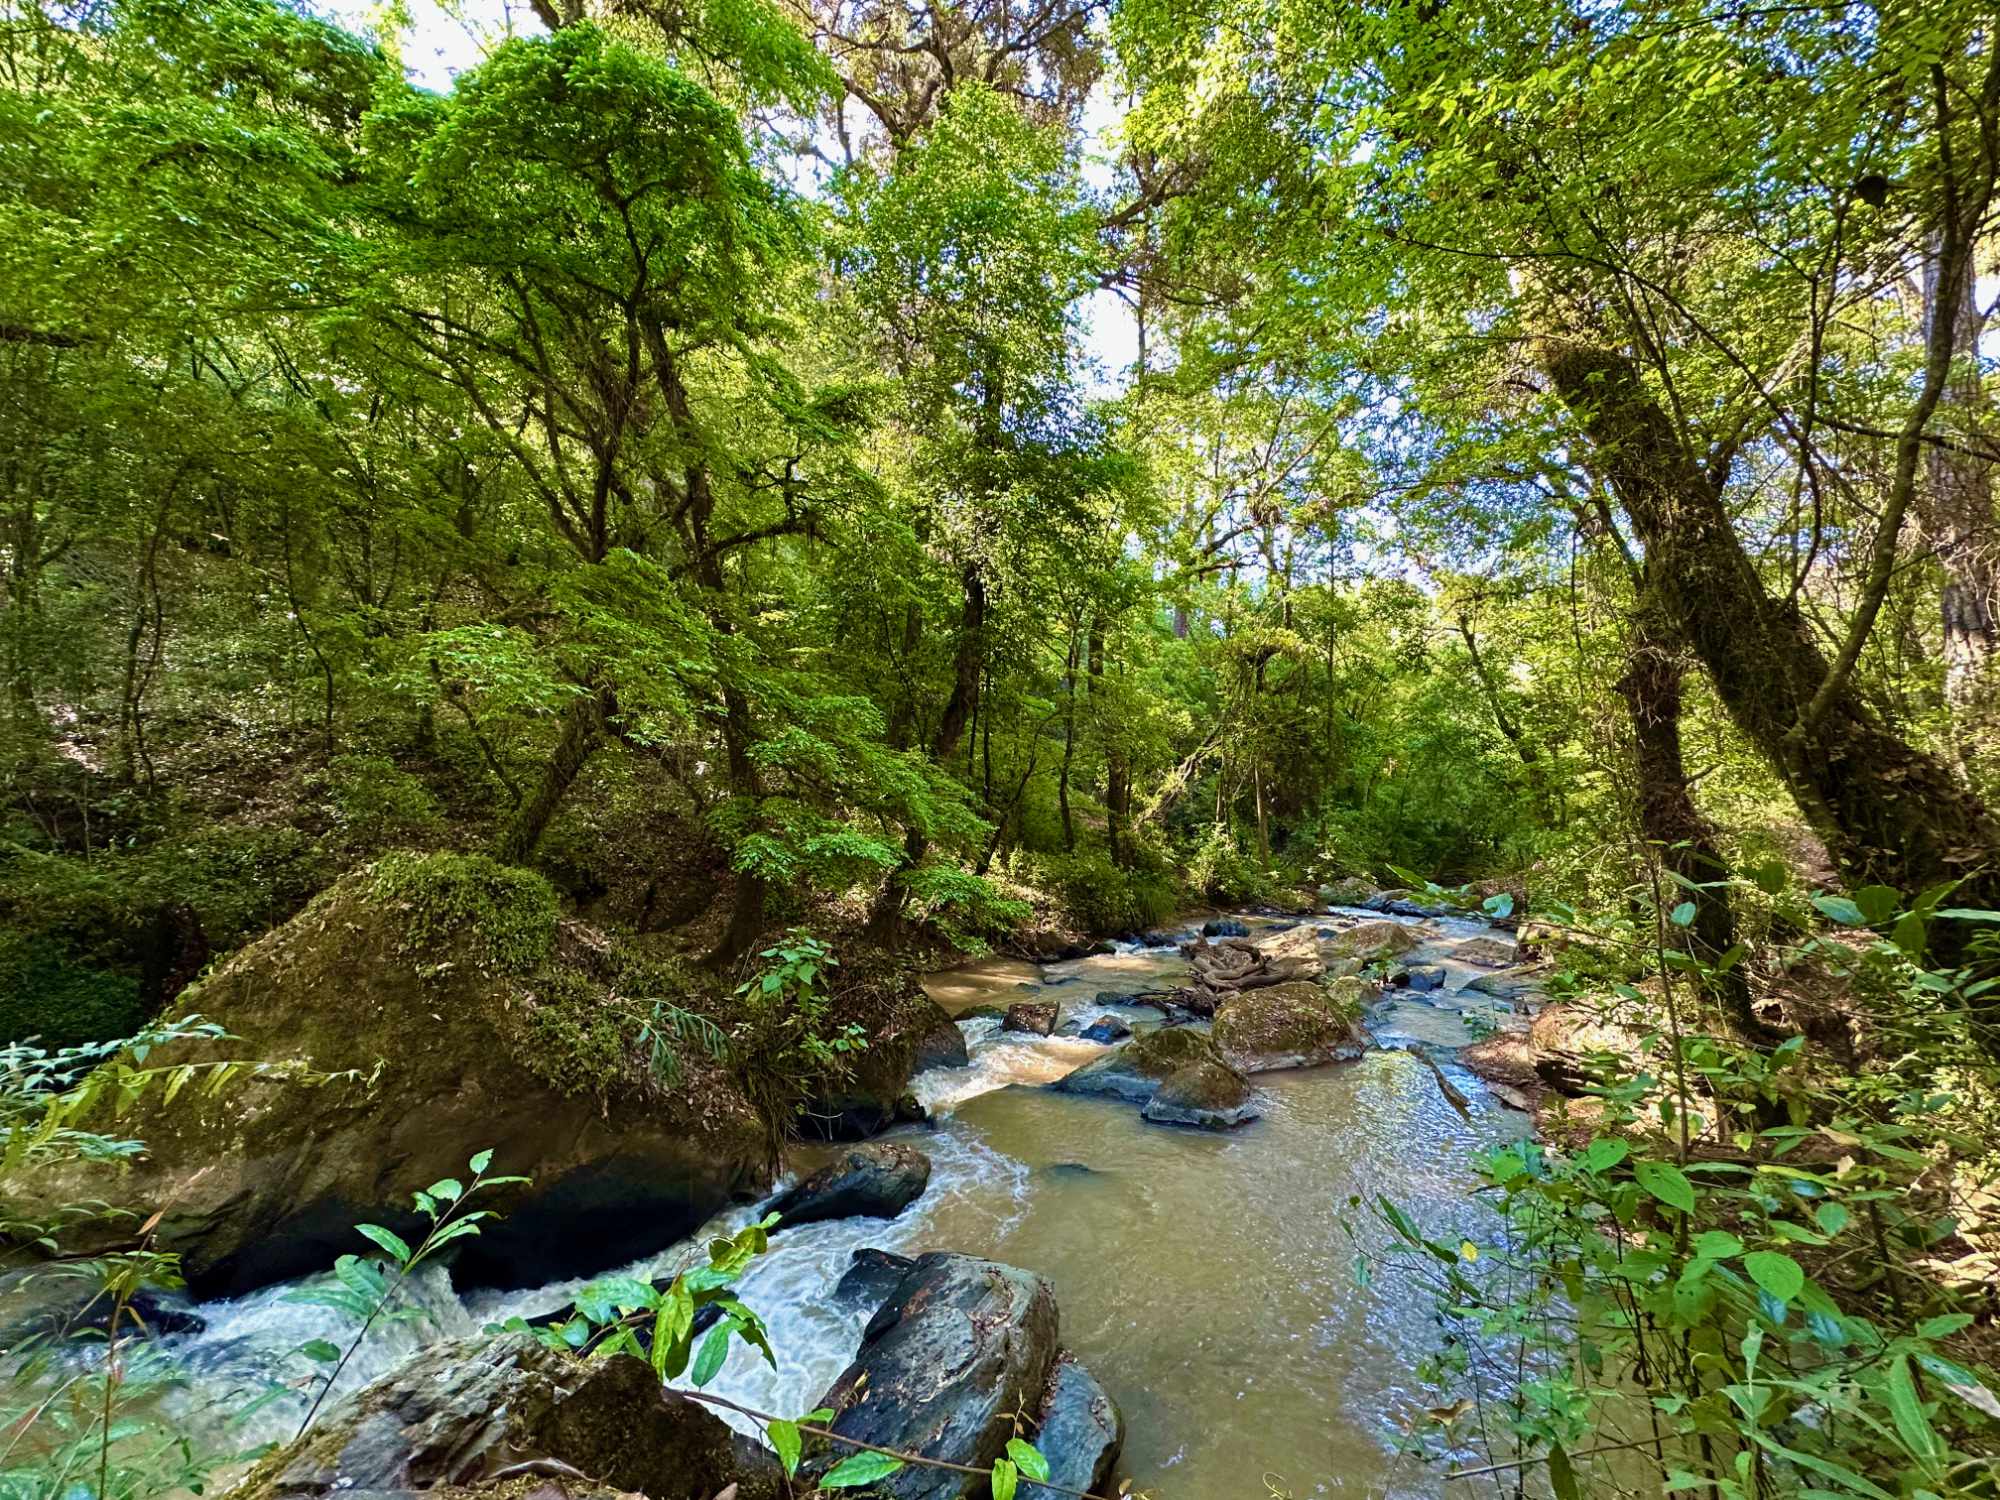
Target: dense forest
[{"x": 539, "y": 603}]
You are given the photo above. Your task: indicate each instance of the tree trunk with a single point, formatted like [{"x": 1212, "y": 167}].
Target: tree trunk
[
  {"x": 583, "y": 726},
  {"x": 1668, "y": 817},
  {"x": 1889, "y": 813},
  {"x": 1531, "y": 762},
  {"x": 1956, "y": 509}
]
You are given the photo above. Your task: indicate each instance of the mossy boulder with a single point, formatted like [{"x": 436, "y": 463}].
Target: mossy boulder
[
  {"x": 1371, "y": 941},
  {"x": 463, "y": 1416},
  {"x": 1137, "y": 1069},
  {"x": 1288, "y": 1026},
  {"x": 454, "y": 1018},
  {"x": 1209, "y": 1095},
  {"x": 1351, "y": 890}
]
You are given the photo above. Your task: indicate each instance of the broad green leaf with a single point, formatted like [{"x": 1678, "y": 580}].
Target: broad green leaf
[
  {"x": 1005, "y": 1479},
  {"x": 1776, "y": 1272},
  {"x": 480, "y": 1162},
  {"x": 714, "y": 1350},
  {"x": 785, "y": 1439},
  {"x": 1562, "y": 1477},
  {"x": 1717, "y": 1244},
  {"x": 387, "y": 1239},
  {"x": 1841, "y": 910},
  {"x": 1666, "y": 1182},
  {"x": 1878, "y": 903},
  {"x": 1907, "y": 1409},
  {"x": 320, "y": 1350},
  {"x": 1029, "y": 1457},
  {"x": 861, "y": 1468},
  {"x": 1682, "y": 915}
]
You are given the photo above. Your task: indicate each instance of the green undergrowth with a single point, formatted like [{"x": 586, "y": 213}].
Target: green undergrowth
[{"x": 500, "y": 917}]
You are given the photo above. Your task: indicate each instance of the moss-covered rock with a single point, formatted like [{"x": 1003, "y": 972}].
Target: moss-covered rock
[
  {"x": 1372, "y": 941},
  {"x": 1136, "y": 1070},
  {"x": 461, "y": 1415},
  {"x": 427, "y": 986},
  {"x": 1289, "y": 1026},
  {"x": 1206, "y": 1094}
]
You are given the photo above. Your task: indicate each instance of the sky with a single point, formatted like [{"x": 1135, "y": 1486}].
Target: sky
[{"x": 442, "y": 41}]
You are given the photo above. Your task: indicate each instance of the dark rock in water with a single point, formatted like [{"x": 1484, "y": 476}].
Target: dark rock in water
[
  {"x": 959, "y": 1347},
  {"x": 1069, "y": 1169},
  {"x": 1224, "y": 927},
  {"x": 1211, "y": 1095},
  {"x": 1157, "y": 939},
  {"x": 1106, "y": 1029},
  {"x": 870, "y": 1277},
  {"x": 983, "y": 1013},
  {"x": 1036, "y": 1017},
  {"x": 877, "y": 1180},
  {"x": 1424, "y": 979},
  {"x": 942, "y": 1046},
  {"x": 462, "y": 1412},
  {"x": 1501, "y": 986},
  {"x": 1139, "y": 1067},
  {"x": 856, "y": 1117},
  {"x": 1082, "y": 1429}
]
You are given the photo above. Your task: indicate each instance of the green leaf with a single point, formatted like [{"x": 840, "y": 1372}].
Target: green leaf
[
  {"x": 1717, "y": 1244},
  {"x": 714, "y": 1350},
  {"x": 446, "y": 1190},
  {"x": 320, "y": 1350},
  {"x": 1831, "y": 1217},
  {"x": 1562, "y": 1477},
  {"x": 1772, "y": 876},
  {"x": 1878, "y": 903},
  {"x": 1499, "y": 906},
  {"x": 387, "y": 1239},
  {"x": 1841, "y": 910},
  {"x": 1682, "y": 915},
  {"x": 1667, "y": 1183},
  {"x": 862, "y": 1468},
  {"x": 1961, "y": 1382},
  {"x": 1776, "y": 1272},
  {"x": 1911, "y": 933},
  {"x": 1005, "y": 1479},
  {"x": 785, "y": 1439},
  {"x": 1029, "y": 1458},
  {"x": 1605, "y": 1153},
  {"x": 1912, "y": 1425},
  {"x": 1969, "y": 914},
  {"x": 480, "y": 1162}
]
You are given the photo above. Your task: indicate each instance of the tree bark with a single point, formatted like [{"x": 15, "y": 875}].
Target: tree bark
[
  {"x": 583, "y": 726},
  {"x": 1889, "y": 813},
  {"x": 1668, "y": 818}
]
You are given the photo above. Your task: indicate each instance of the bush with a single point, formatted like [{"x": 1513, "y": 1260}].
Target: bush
[
  {"x": 376, "y": 801},
  {"x": 47, "y": 994},
  {"x": 1097, "y": 896},
  {"x": 1220, "y": 872}
]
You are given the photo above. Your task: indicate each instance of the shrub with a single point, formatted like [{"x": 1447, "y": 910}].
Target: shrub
[
  {"x": 1220, "y": 872},
  {"x": 376, "y": 801}
]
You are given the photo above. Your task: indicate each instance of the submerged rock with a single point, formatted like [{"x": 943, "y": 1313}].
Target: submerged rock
[
  {"x": 1425, "y": 979},
  {"x": 469, "y": 1412},
  {"x": 1211, "y": 1095},
  {"x": 1082, "y": 1430},
  {"x": 1294, "y": 1025},
  {"x": 1224, "y": 927},
  {"x": 1037, "y": 1017},
  {"x": 454, "y": 1018},
  {"x": 876, "y": 1180},
  {"x": 958, "y": 1348},
  {"x": 1135, "y": 1070},
  {"x": 1106, "y": 1029}
]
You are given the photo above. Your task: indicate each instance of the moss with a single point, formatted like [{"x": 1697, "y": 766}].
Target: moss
[
  {"x": 1347, "y": 994},
  {"x": 1161, "y": 1052},
  {"x": 572, "y": 1039},
  {"x": 499, "y": 917}
]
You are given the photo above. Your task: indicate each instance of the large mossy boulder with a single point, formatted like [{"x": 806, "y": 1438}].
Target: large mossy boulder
[
  {"x": 1208, "y": 1095},
  {"x": 454, "y": 1018},
  {"x": 1374, "y": 941},
  {"x": 466, "y": 1415},
  {"x": 958, "y": 1352},
  {"x": 1135, "y": 1070},
  {"x": 1290, "y": 1026}
]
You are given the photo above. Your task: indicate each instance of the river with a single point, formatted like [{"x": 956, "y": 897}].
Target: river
[{"x": 1206, "y": 1279}]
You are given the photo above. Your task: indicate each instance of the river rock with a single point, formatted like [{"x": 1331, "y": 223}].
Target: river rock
[
  {"x": 1375, "y": 940},
  {"x": 1485, "y": 953},
  {"x": 1295, "y": 1025},
  {"x": 455, "y": 1019},
  {"x": 1507, "y": 985},
  {"x": 959, "y": 1347},
  {"x": 1349, "y": 891},
  {"x": 1224, "y": 927},
  {"x": 941, "y": 1046},
  {"x": 870, "y": 1277},
  {"x": 907, "y": 1032},
  {"x": 1037, "y": 1017},
  {"x": 1106, "y": 1029},
  {"x": 1425, "y": 979},
  {"x": 1211, "y": 1095},
  {"x": 463, "y": 1412},
  {"x": 1136, "y": 1069},
  {"x": 1082, "y": 1430},
  {"x": 1157, "y": 939},
  {"x": 877, "y": 1180}
]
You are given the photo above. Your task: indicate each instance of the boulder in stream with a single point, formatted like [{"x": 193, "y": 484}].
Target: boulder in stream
[
  {"x": 1425, "y": 979},
  {"x": 956, "y": 1351},
  {"x": 1375, "y": 940},
  {"x": 447, "y": 1012},
  {"x": 1037, "y": 1017},
  {"x": 1135, "y": 1070},
  {"x": 1211, "y": 1095},
  {"x": 870, "y": 1277},
  {"x": 474, "y": 1414},
  {"x": 1105, "y": 1029},
  {"x": 1224, "y": 927},
  {"x": 878, "y": 1179},
  {"x": 1296, "y": 1025}
]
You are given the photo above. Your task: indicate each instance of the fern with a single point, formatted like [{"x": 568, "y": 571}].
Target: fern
[{"x": 668, "y": 1030}]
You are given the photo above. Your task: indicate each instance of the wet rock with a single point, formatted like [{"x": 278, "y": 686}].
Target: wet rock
[
  {"x": 449, "y": 1038},
  {"x": 870, "y": 1277},
  {"x": 1425, "y": 979},
  {"x": 1081, "y": 1431},
  {"x": 1136, "y": 1069},
  {"x": 1502, "y": 986},
  {"x": 1037, "y": 1017},
  {"x": 940, "y": 1046},
  {"x": 1224, "y": 927},
  {"x": 1351, "y": 891},
  {"x": 468, "y": 1412},
  {"x": 1370, "y": 941},
  {"x": 1157, "y": 939},
  {"x": 958, "y": 1348},
  {"x": 877, "y": 1180},
  {"x": 1486, "y": 953},
  {"x": 1211, "y": 1095},
  {"x": 1295, "y": 1025},
  {"x": 907, "y": 1032},
  {"x": 1106, "y": 1029},
  {"x": 983, "y": 1013}
]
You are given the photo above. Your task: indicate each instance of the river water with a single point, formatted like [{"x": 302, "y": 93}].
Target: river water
[{"x": 1206, "y": 1279}]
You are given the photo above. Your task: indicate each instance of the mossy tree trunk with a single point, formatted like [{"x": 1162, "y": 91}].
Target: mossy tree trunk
[{"x": 583, "y": 727}]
